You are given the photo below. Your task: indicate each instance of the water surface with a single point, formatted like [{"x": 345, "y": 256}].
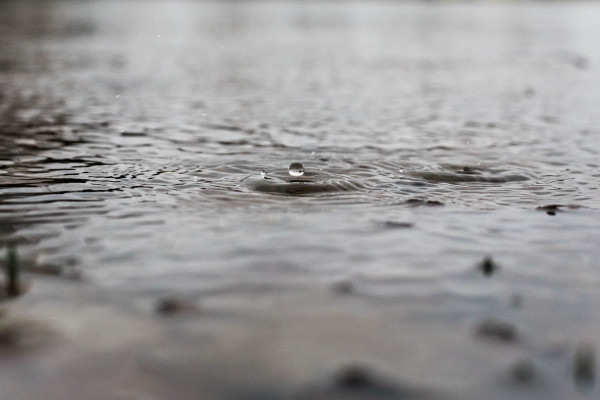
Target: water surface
[{"x": 134, "y": 136}]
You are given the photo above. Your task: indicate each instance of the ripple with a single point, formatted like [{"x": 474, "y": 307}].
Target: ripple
[
  {"x": 312, "y": 182},
  {"x": 468, "y": 174}
]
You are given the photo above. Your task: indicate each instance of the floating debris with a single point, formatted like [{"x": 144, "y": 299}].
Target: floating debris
[
  {"x": 499, "y": 331},
  {"x": 398, "y": 225},
  {"x": 421, "y": 202},
  {"x": 552, "y": 209},
  {"x": 174, "y": 305},
  {"x": 488, "y": 266}
]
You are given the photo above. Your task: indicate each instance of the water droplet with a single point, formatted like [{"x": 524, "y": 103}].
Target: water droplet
[
  {"x": 296, "y": 169},
  {"x": 263, "y": 173}
]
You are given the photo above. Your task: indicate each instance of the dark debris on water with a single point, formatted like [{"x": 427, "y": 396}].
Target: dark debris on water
[
  {"x": 497, "y": 330},
  {"x": 174, "y": 305},
  {"x": 488, "y": 266},
  {"x": 422, "y": 202},
  {"x": 584, "y": 365},
  {"x": 398, "y": 225},
  {"x": 523, "y": 372},
  {"x": 552, "y": 209}
]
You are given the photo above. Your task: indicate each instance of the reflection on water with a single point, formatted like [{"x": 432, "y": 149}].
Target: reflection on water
[{"x": 236, "y": 149}]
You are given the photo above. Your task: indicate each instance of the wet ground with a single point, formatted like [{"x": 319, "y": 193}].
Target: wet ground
[{"x": 441, "y": 243}]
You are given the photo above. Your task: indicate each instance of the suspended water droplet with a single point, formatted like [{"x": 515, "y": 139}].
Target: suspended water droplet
[
  {"x": 263, "y": 174},
  {"x": 296, "y": 169}
]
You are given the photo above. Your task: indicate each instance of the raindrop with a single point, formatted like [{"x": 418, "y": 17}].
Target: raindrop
[{"x": 296, "y": 169}]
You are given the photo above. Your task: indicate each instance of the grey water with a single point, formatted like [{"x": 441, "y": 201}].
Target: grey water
[
  {"x": 147, "y": 145},
  {"x": 134, "y": 136}
]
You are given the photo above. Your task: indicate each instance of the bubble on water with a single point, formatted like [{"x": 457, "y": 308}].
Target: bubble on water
[
  {"x": 296, "y": 169},
  {"x": 263, "y": 173}
]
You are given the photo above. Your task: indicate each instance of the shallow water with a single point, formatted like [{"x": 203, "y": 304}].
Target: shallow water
[{"x": 134, "y": 136}]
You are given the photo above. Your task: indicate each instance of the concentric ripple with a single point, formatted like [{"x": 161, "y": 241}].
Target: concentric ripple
[{"x": 312, "y": 182}]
